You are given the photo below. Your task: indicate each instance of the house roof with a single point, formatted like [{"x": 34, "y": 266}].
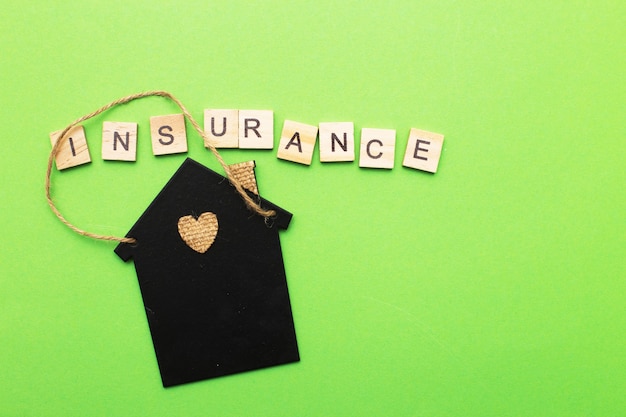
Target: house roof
[{"x": 192, "y": 190}]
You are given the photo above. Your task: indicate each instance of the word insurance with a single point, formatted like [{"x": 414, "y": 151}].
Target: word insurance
[{"x": 254, "y": 129}]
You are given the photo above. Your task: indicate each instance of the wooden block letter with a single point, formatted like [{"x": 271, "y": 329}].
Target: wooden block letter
[
  {"x": 297, "y": 142},
  {"x": 423, "y": 150},
  {"x": 222, "y": 128},
  {"x": 119, "y": 141},
  {"x": 74, "y": 150},
  {"x": 168, "y": 134},
  {"x": 256, "y": 129},
  {"x": 377, "y": 148},
  {"x": 336, "y": 142}
]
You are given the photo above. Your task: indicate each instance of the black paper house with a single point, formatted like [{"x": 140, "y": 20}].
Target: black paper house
[{"x": 212, "y": 279}]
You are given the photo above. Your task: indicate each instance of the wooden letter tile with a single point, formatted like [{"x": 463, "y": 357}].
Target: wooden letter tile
[
  {"x": 119, "y": 141},
  {"x": 377, "y": 148},
  {"x": 74, "y": 150},
  {"x": 336, "y": 142},
  {"x": 423, "y": 150},
  {"x": 168, "y": 134},
  {"x": 256, "y": 129},
  {"x": 222, "y": 128},
  {"x": 297, "y": 142}
]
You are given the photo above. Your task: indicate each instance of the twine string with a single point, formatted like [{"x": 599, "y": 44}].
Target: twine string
[{"x": 251, "y": 203}]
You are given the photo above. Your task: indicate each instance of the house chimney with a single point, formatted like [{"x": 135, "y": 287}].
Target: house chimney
[{"x": 244, "y": 173}]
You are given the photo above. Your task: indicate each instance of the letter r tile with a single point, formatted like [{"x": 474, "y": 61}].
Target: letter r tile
[{"x": 256, "y": 129}]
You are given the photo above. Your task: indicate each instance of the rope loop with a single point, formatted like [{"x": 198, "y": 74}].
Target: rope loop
[{"x": 251, "y": 203}]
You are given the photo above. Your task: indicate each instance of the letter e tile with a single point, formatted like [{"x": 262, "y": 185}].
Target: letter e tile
[{"x": 423, "y": 150}]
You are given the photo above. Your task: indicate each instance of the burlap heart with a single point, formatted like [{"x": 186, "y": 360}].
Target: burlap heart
[{"x": 199, "y": 234}]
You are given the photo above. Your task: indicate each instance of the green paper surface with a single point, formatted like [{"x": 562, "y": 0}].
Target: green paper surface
[{"x": 495, "y": 287}]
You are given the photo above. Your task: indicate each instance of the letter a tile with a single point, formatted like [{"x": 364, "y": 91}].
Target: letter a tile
[
  {"x": 168, "y": 134},
  {"x": 297, "y": 142},
  {"x": 423, "y": 150},
  {"x": 74, "y": 150}
]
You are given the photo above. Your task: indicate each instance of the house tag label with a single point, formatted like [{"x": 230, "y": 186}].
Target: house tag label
[{"x": 223, "y": 307}]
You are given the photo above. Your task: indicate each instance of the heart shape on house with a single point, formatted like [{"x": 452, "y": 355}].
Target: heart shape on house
[{"x": 198, "y": 233}]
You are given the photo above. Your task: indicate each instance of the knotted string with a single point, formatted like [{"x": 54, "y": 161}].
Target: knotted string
[{"x": 252, "y": 204}]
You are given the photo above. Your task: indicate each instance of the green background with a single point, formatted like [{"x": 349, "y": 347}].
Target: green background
[{"x": 496, "y": 287}]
